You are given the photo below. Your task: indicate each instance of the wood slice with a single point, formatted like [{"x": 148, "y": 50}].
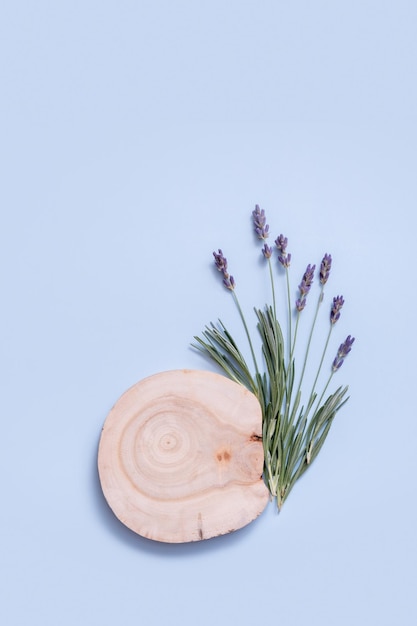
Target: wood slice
[{"x": 181, "y": 457}]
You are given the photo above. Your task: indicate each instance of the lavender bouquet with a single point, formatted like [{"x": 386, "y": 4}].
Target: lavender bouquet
[{"x": 293, "y": 431}]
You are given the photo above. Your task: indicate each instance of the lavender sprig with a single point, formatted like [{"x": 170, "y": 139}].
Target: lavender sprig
[
  {"x": 342, "y": 353},
  {"x": 284, "y": 257},
  {"x": 221, "y": 264},
  {"x": 220, "y": 261},
  {"x": 325, "y": 267},
  {"x": 304, "y": 287},
  {"x": 338, "y": 361},
  {"x": 262, "y": 231},
  {"x": 338, "y": 302},
  {"x": 259, "y": 221},
  {"x": 335, "y": 310}
]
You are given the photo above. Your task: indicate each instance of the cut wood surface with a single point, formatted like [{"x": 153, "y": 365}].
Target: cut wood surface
[{"x": 181, "y": 457}]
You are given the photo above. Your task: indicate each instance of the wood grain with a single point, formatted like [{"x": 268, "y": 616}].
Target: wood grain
[{"x": 181, "y": 457}]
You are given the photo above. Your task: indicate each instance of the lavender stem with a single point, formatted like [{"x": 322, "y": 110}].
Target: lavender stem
[
  {"x": 320, "y": 300},
  {"x": 242, "y": 317},
  {"x": 322, "y": 359},
  {"x": 271, "y": 274},
  {"x": 290, "y": 349}
]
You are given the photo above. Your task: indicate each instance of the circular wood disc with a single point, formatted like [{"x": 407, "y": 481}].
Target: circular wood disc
[{"x": 181, "y": 457}]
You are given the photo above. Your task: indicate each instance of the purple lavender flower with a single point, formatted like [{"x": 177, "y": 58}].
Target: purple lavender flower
[
  {"x": 259, "y": 221},
  {"x": 281, "y": 243},
  {"x": 229, "y": 282},
  {"x": 267, "y": 251},
  {"x": 307, "y": 280},
  {"x": 300, "y": 303},
  {"x": 220, "y": 261},
  {"x": 325, "y": 268},
  {"x": 342, "y": 353},
  {"x": 304, "y": 287},
  {"x": 284, "y": 258},
  {"x": 221, "y": 264},
  {"x": 338, "y": 302}
]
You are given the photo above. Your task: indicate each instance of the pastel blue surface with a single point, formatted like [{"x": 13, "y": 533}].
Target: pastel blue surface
[{"x": 136, "y": 137}]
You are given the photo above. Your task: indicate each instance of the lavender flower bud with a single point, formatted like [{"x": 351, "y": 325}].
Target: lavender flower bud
[
  {"x": 221, "y": 264},
  {"x": 220, "y": 261},
  {"x": 229, "y": 282},
  {"x": 285, "y": 260},
  {"x": 267, "y": 251},
  {"x": 338, "y": 302},
  {"x": 304, "y": 287},
  {"x": 342, "y": 353},
  {"x": 307, "y": 280},
  {"x": 281, "y": 243},
  {"x": 325, "y": 268},
  {"x": 300, "y": 303},
  {"x": 259, "y": 222}
]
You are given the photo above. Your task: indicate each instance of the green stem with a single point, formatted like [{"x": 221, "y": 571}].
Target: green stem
[
  {"x": 325, "y": 389},
  {"x": 322, "y": 358},
  {"x": 289, "y": 316},
  {"x": 320, "y": 300},
  {"x": 273, "y": 288},
  {"x": 295, "y": 336},
  {"x": 242, "y": 317},
  {"x": 318, "y": 372}
]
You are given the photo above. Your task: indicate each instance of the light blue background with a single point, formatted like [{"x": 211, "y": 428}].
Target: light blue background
[{"x": 136, "y": 137}]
